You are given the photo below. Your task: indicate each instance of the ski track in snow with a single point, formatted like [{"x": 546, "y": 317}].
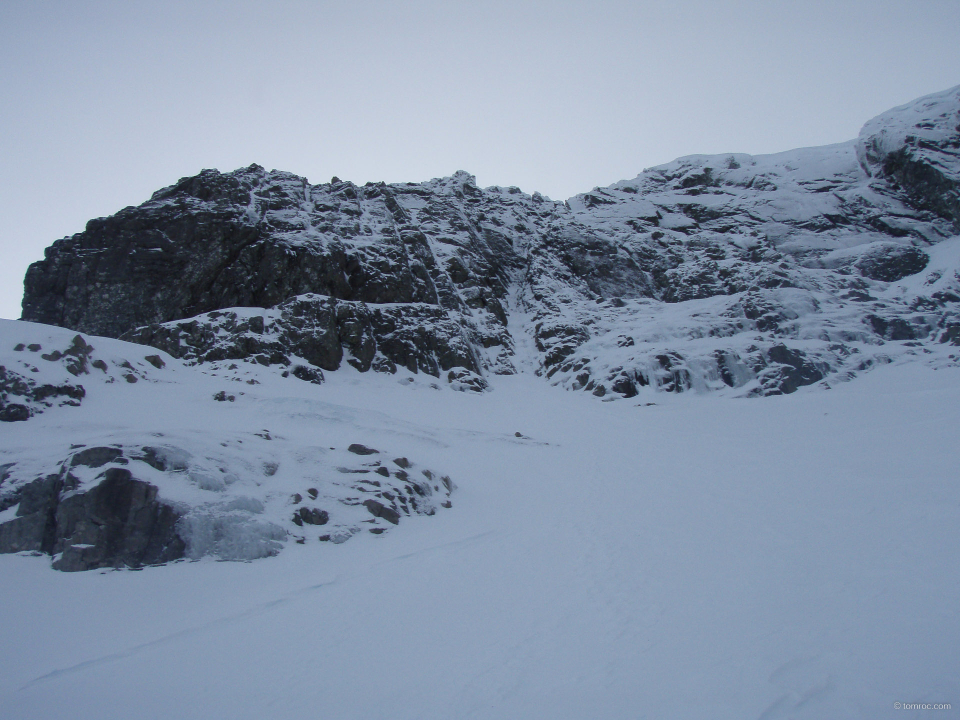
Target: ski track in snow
[
  {"x": 259, "y": 610},
  {"x": 189, "y": 632}
]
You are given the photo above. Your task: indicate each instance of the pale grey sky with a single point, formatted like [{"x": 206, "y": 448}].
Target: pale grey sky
[{"x": 105, "y": 102}]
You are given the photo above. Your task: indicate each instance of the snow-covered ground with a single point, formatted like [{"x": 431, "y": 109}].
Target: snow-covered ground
[{"x": 701, "y": 557}]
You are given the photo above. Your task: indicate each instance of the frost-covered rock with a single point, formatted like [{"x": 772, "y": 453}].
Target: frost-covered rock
[
  {"x": 254, "y": 238},
  {"x": 695, "y": 275},
  {"x": 322, "y": 331},
  {"x": 128, "y": 505},
  {"x": 701, "y": 273},
  {"x": 916, "y": 147},
  {"x": 35, "y": 376}
]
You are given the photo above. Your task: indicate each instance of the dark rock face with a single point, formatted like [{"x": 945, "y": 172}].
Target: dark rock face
[
  {"x": 788, "y": 370},
  {"x": 311, "y": 516},
  {"x": 117, "y": 523},
  {"x": 358, "y": 449},
  {"x": 90, "y": 508},
  {"x": 894, "y": 328},
  {"x": 893, "y": 263},
  {"x": 951, "y": 335},
  {"x": 96, "y": 456},
  {"x": 319, "y": 329},
  {"x": 308, "y": 374},
  {"x": 379, "y": 510},
  {"x": 915, "y": 148},
  {"x": 256, "y": 239},
  {"x": 14, "y": 412}
]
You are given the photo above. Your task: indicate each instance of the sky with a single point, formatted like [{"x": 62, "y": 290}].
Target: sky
[{"x": 106, "y": 102}]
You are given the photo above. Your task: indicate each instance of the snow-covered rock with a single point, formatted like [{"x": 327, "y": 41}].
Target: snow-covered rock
[
  {"x": 733, "y": 274},
  {"x": 748, "y": 274},
  {"x": 916, "y": 147},
  {"x": 149, "y": 459}
]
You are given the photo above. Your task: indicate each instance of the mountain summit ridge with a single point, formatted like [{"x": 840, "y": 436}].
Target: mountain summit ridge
[{"x": 787, "y": 261}]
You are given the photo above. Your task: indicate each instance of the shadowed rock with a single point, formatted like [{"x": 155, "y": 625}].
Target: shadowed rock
[
  {"x": 117, "y": 523},
  {"x": 381, "y": 511}
]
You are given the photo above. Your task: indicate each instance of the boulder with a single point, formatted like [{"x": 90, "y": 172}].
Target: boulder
[{"x": 119, "y": 522}]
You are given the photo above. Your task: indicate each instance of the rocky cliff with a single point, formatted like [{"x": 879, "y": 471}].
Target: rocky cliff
[
  {"x": 384, "y": 268},
  {"x": 759, "y": 274}
]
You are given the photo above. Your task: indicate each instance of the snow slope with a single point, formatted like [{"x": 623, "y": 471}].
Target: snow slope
[
  {"x": 225, "y": 446},
  {"x": 791, "y": 556}
]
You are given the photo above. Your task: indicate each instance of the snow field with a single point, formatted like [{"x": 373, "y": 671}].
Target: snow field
[{"x": 792, "y": 557}]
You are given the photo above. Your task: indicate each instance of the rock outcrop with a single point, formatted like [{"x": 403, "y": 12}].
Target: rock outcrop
[
  {"x": 96, "y": 510},
  {"x": 117, "y": 523},
  {"x": 32, "y": 380},
  {"x": 916, "y": 149},
  {"x": 322, "y": 331},
  {"x": 402, "y": 257}
]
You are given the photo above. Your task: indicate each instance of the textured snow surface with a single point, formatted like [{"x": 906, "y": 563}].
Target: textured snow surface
[{"x": 783, "y": 557}]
